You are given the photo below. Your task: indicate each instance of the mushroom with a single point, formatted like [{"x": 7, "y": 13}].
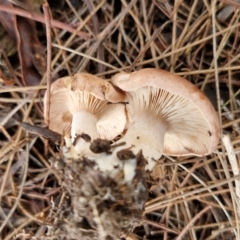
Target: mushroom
[
  {"x": 78, "y": 102},
  {"x": 167, "y": 114}
]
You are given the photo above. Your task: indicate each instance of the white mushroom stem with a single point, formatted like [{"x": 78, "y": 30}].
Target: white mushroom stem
[
  {"x": 84, "y": 122},
  {"x": 146, "y": 133}
]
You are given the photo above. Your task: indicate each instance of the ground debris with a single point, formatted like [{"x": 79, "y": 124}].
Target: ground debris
[{"x": 97, "y": 206}]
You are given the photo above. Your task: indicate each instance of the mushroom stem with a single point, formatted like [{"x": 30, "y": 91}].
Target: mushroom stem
[
  {"x": 145, "y": 133},
  {"x": 84, "y": 122}
]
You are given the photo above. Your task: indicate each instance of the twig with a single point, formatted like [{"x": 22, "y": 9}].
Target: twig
[
  {"x": 95, "y": 22},
  {"x": 229, "y": 116},
  {"x": 109, "y": 29},
  {"x": 234, "y": 164},
  {"x": 146, "y": 47},
  {"x": 232, "y": 3},
  {"x": 161, "y": 226},
  {"x": 25, "y": 223},
  {"x": 183, "y": 232},
  {"x": 21, "y": 185},
  {"x": 47, "y": 17},
  {"x": 45, "y": 132},
  {"x": 4, "y": 131},
  {"x": 40, "y": 18}
]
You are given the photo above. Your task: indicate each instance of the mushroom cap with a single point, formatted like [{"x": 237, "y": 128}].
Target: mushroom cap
[
  {"x": 192, "y": 123},
  {"x": 81, "y": 92},
  {"x": 86, "y": 82}
]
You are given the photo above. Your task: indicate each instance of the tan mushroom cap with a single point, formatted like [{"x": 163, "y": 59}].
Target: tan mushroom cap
[
  {"x": 94, "y": 85},
  {"x": 192, "y": 123},
  {"x": 82, "y": 91}
]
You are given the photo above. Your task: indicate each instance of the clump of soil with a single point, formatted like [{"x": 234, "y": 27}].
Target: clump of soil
[{"x": 97, "y": 206}]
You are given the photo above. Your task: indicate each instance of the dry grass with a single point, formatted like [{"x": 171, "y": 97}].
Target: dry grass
[{"x": 192, "y": 198}]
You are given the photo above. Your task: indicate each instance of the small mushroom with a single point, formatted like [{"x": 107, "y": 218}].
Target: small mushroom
[
  {"x": 168, "y": 114},
  {"x": 77, "y": 103}
]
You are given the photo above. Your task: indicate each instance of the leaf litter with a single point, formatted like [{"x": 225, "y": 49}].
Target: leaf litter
[{"x": 188, "y": 197}]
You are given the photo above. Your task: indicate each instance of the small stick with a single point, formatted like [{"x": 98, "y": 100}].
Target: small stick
[
  {"x": 183, "y": 232},
  {"x": 235, "y": 167},
  {"x": 44, "y": 132},
  {"x": 6, "y": 133},
  {"x": 47, "y": 17},
  {"x": 39, "y": 18}
]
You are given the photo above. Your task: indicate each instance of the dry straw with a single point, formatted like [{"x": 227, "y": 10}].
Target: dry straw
[{"x": 192, "y": 198}]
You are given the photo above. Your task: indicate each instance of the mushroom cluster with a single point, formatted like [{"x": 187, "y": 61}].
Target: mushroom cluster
[
  {"x": 163, "y": 114},
  {"x": 151, "y": 112}
]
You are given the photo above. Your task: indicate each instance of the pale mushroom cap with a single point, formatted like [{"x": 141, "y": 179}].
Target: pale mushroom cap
[
  {"x": 192, "y": 123},
  {"x": 98, "y": 87},
  {"x": 81, "y": 92}
]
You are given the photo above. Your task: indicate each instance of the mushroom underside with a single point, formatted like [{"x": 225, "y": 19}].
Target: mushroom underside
[
  {"x": 108, "y": 119},
  {"x": 187, "y": 130}
]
